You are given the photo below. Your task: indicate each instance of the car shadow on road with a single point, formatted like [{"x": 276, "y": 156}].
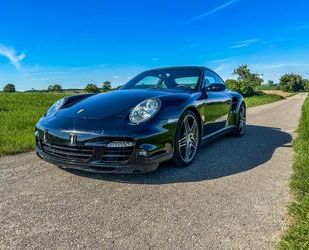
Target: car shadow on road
[{"x": 224, "y": 157}]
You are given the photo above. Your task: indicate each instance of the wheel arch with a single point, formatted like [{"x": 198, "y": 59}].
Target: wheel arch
[{"x": 237, "y": 101}]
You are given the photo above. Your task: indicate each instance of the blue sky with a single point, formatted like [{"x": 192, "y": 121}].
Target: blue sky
[{"x": 78, "y": 42}]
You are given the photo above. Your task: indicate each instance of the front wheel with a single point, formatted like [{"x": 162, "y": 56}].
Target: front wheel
[
  {"x": 241, "y": 121},
  {"x": 187, "y": 139}
]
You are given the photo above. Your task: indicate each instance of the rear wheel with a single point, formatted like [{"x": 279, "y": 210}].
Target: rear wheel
[
  {"x": 187, "y": 139},
  {"x": 241, "y": 122}
]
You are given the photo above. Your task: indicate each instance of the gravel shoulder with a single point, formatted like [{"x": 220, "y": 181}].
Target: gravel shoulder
[{"x": 233, "y": 196}]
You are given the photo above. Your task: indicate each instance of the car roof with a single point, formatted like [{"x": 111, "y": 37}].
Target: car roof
[{"x": 181, "y": 67}]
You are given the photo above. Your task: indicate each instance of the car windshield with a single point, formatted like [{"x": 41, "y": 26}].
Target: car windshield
[{"x": 172, "y": 79}]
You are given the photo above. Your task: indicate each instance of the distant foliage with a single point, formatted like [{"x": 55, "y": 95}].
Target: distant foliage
[
  {"x": 246, "y": 81},
  {"x": 92, "y": 88},
  {"x": 106, "y": 86},
  {"x": 306, "y": 85},
  {"x": 55, "y": 87},
  {"x": 9, "y": 88},
  {"x": 291, "y": 83},
  {"x": 270, "y": 83}
]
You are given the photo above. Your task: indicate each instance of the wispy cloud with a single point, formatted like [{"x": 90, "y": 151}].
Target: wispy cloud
[
  {"x": 12, "y": 56},
  {"x": 244, "y": 43},
  {"x": 210, "y": 12}
]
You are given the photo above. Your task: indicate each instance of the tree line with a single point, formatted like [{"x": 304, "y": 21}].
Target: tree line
[
  {"x": 246, "y": 82},
  {"x": 90, "y": 88}
]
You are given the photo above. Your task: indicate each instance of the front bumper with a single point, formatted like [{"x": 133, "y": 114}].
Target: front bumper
[
  {"x": 90, "y": 152},
  {"x": 138, "y": 166}
]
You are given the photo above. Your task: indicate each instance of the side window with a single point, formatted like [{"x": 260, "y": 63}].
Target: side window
[{"x": 211, "y": 77}]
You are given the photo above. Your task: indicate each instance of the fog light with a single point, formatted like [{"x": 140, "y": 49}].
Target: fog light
[
  {"x": 142, "y": 153},
  {"x": 120, "y": 144}
]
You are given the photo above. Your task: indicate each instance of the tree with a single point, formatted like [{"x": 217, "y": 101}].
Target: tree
[
  {"x": 270, "y": 83},
  {"x": 291, "y": 82},
  {"x": 306, "y": 85},
  {"x": 55, "y": 87},
  {"x": 92, "y": 88},
  {"x": 232, "y": 84},
  {"x": 246, "y": 81},
  {"x": 9, "y": 88},
  {"x": 50, "y": 87},
  {"x": 106, "y": 86}
]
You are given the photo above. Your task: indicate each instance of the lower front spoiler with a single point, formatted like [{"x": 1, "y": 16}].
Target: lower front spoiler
[{"x": 141, "y": 166}]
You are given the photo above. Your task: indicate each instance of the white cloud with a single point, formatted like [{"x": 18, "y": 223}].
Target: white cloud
[
  {"x": 12, "y": 56},
  {"x": 210, "y": 12},
  {"x": 244, "y": 43}
]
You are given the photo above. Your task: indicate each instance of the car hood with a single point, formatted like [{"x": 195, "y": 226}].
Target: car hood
[{"x": 118, "y": 102}]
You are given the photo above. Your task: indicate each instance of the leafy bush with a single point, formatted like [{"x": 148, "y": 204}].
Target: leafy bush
[
  {"x": 291, "y": 82},
  {"x": 246, "y": 81},
  {"x": 9, "y": 88},
  {"x": 92, "y": 88}
]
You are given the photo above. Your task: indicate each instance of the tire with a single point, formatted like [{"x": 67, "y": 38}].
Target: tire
[
  {"x": 241, "y": 121},
  {"x": 187, "y": 139}
]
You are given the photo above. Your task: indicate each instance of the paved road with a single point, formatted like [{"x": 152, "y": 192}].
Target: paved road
[{"x": 233, "y": 196}]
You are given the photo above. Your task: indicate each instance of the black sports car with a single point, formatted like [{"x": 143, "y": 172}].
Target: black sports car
[{"x": 159, "y": 115}]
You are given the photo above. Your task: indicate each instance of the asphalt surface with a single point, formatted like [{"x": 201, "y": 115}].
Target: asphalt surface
[{"x": 233, "y": 196}]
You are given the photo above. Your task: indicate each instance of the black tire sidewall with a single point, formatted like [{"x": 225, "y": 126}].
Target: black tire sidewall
[{"x": 238, "y": 132}]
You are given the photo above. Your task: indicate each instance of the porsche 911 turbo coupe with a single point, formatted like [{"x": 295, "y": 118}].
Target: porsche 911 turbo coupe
[{"x": 159, "y": 115}]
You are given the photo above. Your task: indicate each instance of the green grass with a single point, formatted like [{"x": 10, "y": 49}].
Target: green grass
[
  {"x": 261, "y": 99},
  {"x": 297, "y": 235},
  {"x": 19, "y": 113}
]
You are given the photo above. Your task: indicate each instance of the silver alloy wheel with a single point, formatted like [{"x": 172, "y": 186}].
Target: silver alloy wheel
[
  {"x": 189, "y": 138},
  {"x": 242, "y": 120}
]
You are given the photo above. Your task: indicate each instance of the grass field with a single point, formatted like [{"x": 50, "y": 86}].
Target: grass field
[
  {"x": 262, "y": 99},
  {"x": 297, "y": 236},
  {"x": 19, "y": 113}
]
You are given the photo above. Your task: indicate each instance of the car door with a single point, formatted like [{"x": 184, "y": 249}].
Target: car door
[{"x": 217, "y": 103}]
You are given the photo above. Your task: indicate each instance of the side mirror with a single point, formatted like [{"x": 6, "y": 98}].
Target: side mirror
[{"x": 215, "y": 87}]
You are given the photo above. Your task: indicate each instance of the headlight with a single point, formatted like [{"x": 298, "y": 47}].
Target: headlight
[
  {"x": 145, "y": 110},
  {"x": 55, "y": 107}
]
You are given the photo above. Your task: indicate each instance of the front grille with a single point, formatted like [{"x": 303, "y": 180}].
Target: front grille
[
  {"x": 118, "y": 154},
  {"x": 70, "y": 153}
]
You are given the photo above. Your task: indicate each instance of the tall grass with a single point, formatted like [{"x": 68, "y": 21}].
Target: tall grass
[
  {"x": 19, "y": 113},
  {"x": 297, "y": 236}
]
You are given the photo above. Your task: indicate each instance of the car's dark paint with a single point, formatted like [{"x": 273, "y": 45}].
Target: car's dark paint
[{"x": 101, "y": 118}]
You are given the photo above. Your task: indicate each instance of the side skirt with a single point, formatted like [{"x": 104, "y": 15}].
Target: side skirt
[{"x": 217, "y": 134}]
